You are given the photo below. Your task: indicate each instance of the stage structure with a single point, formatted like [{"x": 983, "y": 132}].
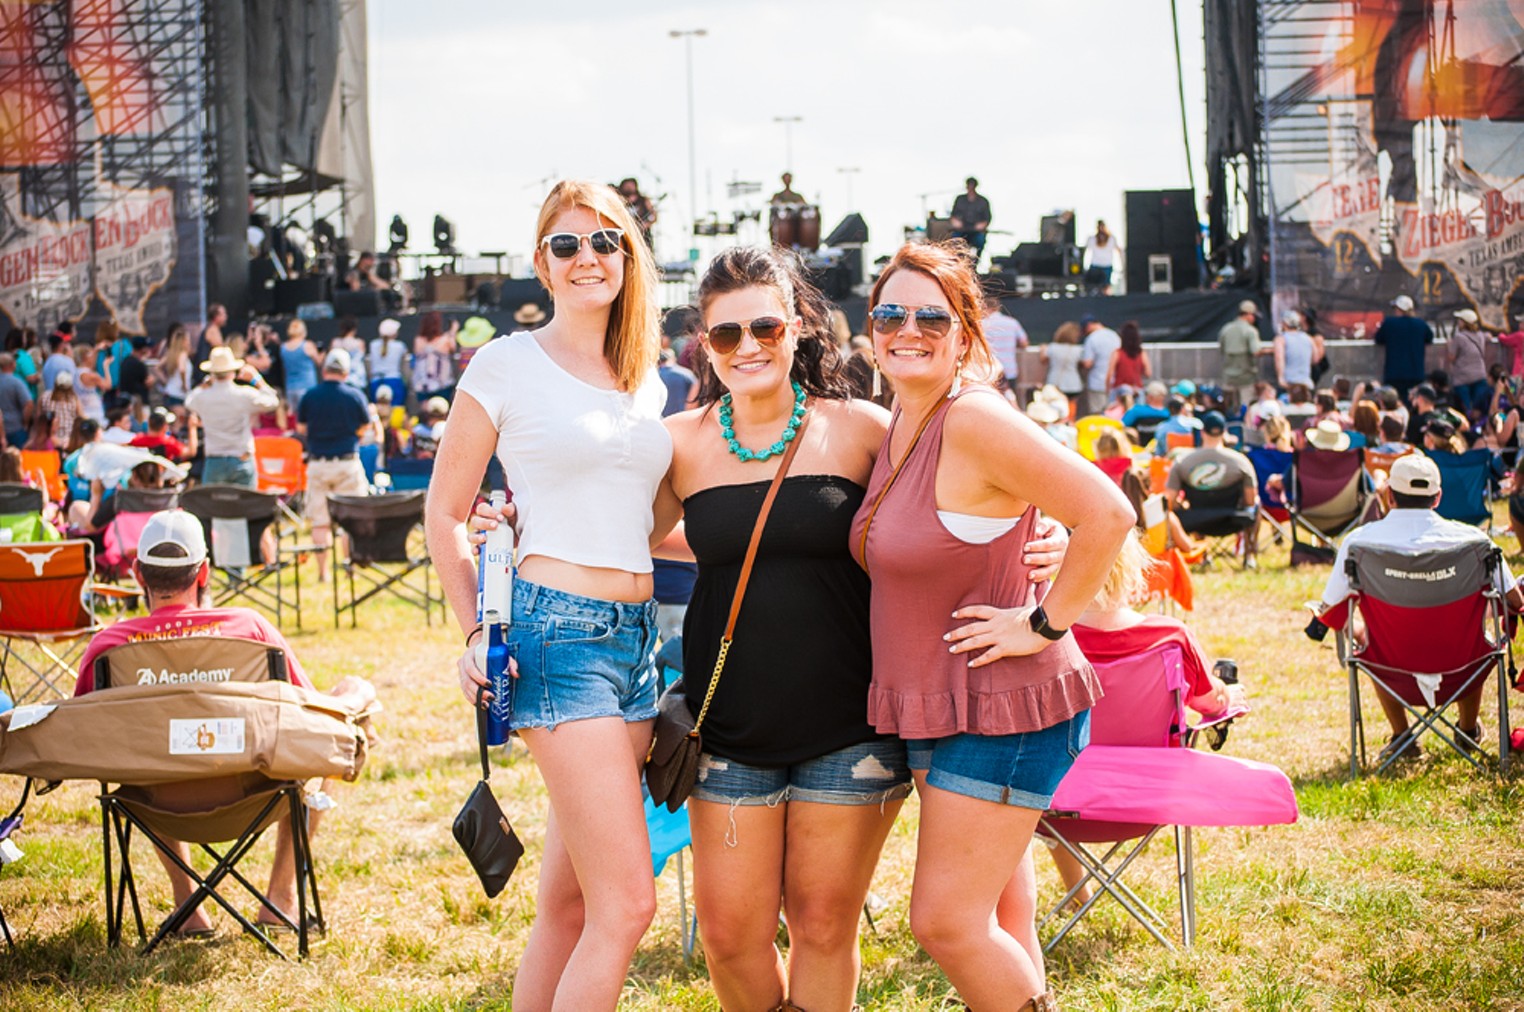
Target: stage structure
[
  {"x": 129, "y": 137},
  {"x": 1374, "y": 150}
]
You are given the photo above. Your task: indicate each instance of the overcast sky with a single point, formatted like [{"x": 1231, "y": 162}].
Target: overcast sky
[{"x": 477, "y": 106}]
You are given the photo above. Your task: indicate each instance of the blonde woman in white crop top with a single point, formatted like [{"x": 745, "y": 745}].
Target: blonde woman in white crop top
[{"x": 573, "y": 411}]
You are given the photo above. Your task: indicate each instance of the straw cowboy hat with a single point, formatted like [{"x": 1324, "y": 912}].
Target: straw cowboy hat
[
  {"x": 1043, "y": 412},
  {"x": 221, "y": 361},
  {"x": 1328, "y": 435},
  {"x": 529, "y": 313}
]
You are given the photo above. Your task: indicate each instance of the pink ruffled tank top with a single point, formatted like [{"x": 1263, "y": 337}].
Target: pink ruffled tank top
[{"x": 921, "y": 574}]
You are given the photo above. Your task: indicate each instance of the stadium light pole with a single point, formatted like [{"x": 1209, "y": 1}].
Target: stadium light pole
[
  {"x": 788, "y": 137},
  {"x": 848, "y": 171},
  {"x": 688, "y": 35}
]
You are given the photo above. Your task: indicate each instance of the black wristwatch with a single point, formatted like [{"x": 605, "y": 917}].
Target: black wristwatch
[{"x": 1039, "y": 622}]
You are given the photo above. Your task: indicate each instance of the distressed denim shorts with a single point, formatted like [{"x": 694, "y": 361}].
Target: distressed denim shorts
[
  {"x": 579, "y": 658},
  {"x": 1009, "y": 769},
  {"x": 869, "y": 773}
]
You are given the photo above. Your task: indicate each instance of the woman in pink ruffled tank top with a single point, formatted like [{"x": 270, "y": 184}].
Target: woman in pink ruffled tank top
[{"x": 973, "y": 664}]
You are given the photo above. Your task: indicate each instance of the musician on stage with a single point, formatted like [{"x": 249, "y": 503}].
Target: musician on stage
[
  {"x": 787, "y": 194},
  {"x": 971, "y": 218},
  {"x": 641, "y": 208}
]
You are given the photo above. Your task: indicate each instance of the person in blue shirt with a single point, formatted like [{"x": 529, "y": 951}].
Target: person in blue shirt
[
  {"x": 1404, "y": 336},
  {"x": 332, "y": 416},
  {"x": 1180, "y": 421},
  {"x": 1151, "y": 412}
]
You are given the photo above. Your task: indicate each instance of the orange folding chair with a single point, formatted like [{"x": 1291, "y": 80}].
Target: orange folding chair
[
  {"x": 281, "y": 467},
  {"x": 47, "y": 603},
  {"x": 47, "y": 469},
  {"x": 1179, "y": 441}
]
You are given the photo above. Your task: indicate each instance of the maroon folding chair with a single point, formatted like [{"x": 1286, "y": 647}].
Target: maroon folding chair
[
  {"x": 1328, "y": 497},
  {"x": 1435, "y": 628}
]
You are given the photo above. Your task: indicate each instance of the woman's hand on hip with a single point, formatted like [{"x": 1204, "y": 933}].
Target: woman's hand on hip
[{"x": 997, "y": 632}]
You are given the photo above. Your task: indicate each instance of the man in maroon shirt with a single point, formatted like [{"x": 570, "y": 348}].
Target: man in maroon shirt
[{"x": 173, "y": 569}]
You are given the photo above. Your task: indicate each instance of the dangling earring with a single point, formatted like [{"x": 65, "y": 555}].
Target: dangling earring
[
  {"x": 957, "y": 383},
  {"x": 878, "y": 381}
]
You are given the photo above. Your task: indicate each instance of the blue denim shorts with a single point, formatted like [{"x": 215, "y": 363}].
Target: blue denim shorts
[
  {"x": 229, "y": 471},
  {"x": 580, "y": 657},
  {"x": 869, "y": 773},
  {"x": 1009, "y": 769}
]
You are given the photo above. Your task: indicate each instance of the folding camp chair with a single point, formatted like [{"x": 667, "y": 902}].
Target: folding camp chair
[
  {"x": 9, "y": 854},
  {"x": 281, "y": 465},
  {"x": 1272, "y": 463},
  {"x": 1220, "y": 516},
  {"x": 1466, "y": 479},
  {"x": 1327, "y": 494},
  {"x": 47, "y": 604},
  {"x": 46, "y": 469},
  {"x": 21, "y": 518},
  {"x": 1088, "y": 428},
  {"x": 1435, "y": 628},
  {"x": 235, "y": 519},
  {"x": 1139, "y": 776},
  {"x": 409, "y": 474},
  {"x": 386, "y": 553},
  {"x": 119, "y": 542},
  {"x": 670, "y": 837},
  {"x": 1178, "y": 441},
  {"x": 206, "y": 811}
]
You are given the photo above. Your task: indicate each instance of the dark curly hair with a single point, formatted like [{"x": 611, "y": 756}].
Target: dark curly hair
[{"x": 817, "y": 362}]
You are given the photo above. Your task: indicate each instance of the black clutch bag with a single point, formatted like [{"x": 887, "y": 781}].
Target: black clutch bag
[{"x": 482, "y": 829}]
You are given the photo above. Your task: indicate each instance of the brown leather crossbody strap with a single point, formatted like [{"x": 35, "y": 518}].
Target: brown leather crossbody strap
[
  {"x": 746, "y": 566},
  {"x": 862, "y": 545}
]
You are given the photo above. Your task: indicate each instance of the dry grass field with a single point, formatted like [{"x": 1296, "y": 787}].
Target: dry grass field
[{"x": 1402, "y": 892}]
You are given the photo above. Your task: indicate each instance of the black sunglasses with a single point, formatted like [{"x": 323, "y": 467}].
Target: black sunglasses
[
  {"x": 565, "y": 245},
  {"x": 933, "y": 321},
  {"x": 766, "y": 330}
]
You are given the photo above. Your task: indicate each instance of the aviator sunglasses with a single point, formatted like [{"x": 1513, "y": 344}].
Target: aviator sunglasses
[
  {"x": 767, "y": 331},
  {"x": 565, "y": 245},
  {"x": 933, "y": 321}
]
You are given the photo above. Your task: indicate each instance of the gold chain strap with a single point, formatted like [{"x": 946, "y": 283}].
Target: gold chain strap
[{"x": 714, "y": 680}]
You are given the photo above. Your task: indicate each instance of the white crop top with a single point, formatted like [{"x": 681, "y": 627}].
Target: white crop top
[{"x": 584, "y": 464}]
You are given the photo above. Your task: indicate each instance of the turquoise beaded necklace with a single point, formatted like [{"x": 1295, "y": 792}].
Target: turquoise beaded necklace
[{"x": 727, "y": 429}]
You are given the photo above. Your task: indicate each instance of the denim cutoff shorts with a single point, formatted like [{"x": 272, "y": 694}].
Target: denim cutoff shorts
[
  {"x": 1009, "y": 769},
  {"x": 580, "y": 657},
  {"x": 869, "y": 773}
]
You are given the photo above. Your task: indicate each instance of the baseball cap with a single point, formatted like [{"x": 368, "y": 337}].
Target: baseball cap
[
  {"x": 1087, "y": 319},
  {"x": 1185, "y": 388},
  {"x": 1291, "y": 318},
  {"x": 1467, "y": 316},
  {"x": 337, "y": 361},
  {"x": 388, "y": 328},
  {"x": 1248, "y": 306},
  {"x": 172, "y": 527},
  {"x": 1425, "y": 391},
  {"x": 1213, "y": 422},
  {"x": 1414, "y": 474},
  {"x": 437, "y": 406},
  {"x": 1404, "y": 303}
]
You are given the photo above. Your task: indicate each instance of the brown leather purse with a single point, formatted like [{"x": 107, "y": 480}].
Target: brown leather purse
[{"x": 676, "y": 743}]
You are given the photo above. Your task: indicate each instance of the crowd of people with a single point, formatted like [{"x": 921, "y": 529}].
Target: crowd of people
[{"x": 189, "y": 406}]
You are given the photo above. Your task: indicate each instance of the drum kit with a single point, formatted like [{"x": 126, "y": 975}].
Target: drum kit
[{"x": 795, "y": 226}]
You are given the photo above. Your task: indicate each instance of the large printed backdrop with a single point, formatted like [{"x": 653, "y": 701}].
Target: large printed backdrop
[
  {"x": 1395, "y": 133},
  {"x": 99, "y": 133}
]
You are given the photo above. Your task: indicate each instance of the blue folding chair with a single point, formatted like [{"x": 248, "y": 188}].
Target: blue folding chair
[
  {"x": 1465, "y": 478},
  {"x": 1269, "y": 462},
  {"x": 370, "y": 459},
  {"x": 410, "y": 474},
  {"x": 670, "y": 836}
]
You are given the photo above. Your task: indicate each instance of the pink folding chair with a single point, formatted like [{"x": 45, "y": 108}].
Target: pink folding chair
[{"x": 1139, "y": 776}]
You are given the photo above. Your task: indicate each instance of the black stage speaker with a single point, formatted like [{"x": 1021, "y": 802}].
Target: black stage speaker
[
  {"x": 1057, "y": 229},
  {"x": 365, "y": 302},
  {"x": 299, "y": 292},
  {"x": 851, "y": 230},
  {"x": 1162, "y": 221},
  {"x": 1038, "y": 259}
]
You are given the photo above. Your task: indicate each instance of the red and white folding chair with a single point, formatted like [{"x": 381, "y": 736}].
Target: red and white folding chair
[
  {"x": 1139, "y": 776},
  {"x": 1435, "y": 626},
  {"x": 47, "y": 605}
]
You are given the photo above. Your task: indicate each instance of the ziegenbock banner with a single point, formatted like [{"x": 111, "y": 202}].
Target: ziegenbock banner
[
  {"x": 101, "y": 145},
  {"x": 1394, "y": 154}
]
